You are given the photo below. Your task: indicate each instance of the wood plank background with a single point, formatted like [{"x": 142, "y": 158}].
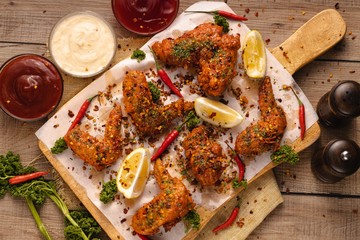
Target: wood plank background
[{"x": 311, "y": 210}]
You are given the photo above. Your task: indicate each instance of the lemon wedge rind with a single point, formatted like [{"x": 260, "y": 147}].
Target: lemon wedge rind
[
  {"x": 133, "y": 173},
  {"x": 254, "y": 55},
  {"x": 217, "y": 113}
]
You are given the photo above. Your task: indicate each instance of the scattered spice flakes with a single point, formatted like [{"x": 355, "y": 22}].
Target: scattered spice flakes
[
  {"x": 355, "y": 211},
  {"x": 56, "y": 126},
  {"x": 285, "y": 54},
  {"x": 303, "y": 13},
  {"x": 267, "y": 41},
  {"x": 71, "y": 113},
  {"x": 247, "y": 10},
  {"x": 123, "y": 220},
  {"x": 241, "y": 222},
  {"x": 256, "y": 14},
  {"x": 353, "y": 71},
  {"x": 337, "y": 5},
  {"x": 291, "y": 18}
]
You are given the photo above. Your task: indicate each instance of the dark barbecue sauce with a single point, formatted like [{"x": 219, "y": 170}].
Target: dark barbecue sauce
[
  {"x": 31, "y": 87},
  {"x": 145, "y": 17}
]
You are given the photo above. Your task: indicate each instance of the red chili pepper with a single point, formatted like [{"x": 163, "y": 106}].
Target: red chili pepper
[
  {"x": 229, "y": 221},
  {"x": 239, "y": 163},
  {"x": 164, "y": 77},
  {"x": 26, "y": 177},
  {"x": 81, "y": 112},
  {"x": 223, "y": 14},
  {"x": 301, "y": 116},
  {"x": 168, "y": 140}
]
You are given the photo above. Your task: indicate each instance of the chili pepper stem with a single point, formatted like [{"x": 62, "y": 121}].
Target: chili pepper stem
[
  {"x": 301, "y": 115},
  {"x": 297, "y": 97},
  {"x": 223, "y": 14},
  {"x": 156, "y": 62}
]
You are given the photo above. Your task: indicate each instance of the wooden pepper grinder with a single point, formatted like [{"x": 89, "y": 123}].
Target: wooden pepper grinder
[
  {"x": 340, "y": 104},
  {"x": 338, "y": 159}
]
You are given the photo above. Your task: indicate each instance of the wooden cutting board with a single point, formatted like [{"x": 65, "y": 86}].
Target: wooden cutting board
[{"x": 314, "y": 38}]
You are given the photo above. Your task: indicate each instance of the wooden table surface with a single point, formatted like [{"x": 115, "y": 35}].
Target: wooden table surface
[{"x": 311, "y": 209}]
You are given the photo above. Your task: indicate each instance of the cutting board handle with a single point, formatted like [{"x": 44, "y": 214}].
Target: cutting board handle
[{"x": 315, "y": 37}]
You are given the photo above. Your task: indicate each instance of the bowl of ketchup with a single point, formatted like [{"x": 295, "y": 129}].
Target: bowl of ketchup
[
  {"x": 31, "y": 87},
  {"x": 145, "y": 17}
]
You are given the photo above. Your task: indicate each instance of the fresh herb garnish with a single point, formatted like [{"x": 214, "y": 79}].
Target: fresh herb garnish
[
  {"x": 285, "y": 154},
  {"x": 86, "y": 223},
  {"x": 139, "y": 55},
  {"x": 192, "y": 220},
  {"x": 221, "y": 21},
  {"x": 35, "y": 192},
  {"x": 59, "y": 146},
  {"x": 155, "y": 91},
  {"x": 237, "y": 184},
  {"x": 192, "y": 120},
  {"x": 108, "y": 191}
]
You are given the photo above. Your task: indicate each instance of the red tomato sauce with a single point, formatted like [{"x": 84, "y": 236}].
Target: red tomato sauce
[
  {"x": 31, "y": 87},
  {"x": 145, "y": 17}
]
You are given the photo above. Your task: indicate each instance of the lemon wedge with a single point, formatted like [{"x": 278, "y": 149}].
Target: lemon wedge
[
  {"x": 254, "y": 55},
  {"x": 217, "y": 113},
  {"x": 133, "y": 173}
]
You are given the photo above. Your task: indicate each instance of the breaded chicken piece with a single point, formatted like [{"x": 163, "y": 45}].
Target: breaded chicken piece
[
  {"x": 207, "y": 50},
  {"x": 98, "y": 153},
  {"x": 166, "y": 209},
  {"x": 149, "y": 118},
  {"x": 206, "y": 157},
  {"x": 264, "y": 135}
]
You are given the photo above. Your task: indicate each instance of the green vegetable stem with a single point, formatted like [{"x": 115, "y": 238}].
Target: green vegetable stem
[
  {"x": 35, "y": 192},
  {"x": 37, "y": 218}
]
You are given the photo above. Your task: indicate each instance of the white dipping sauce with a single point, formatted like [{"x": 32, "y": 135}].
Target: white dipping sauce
[{"x": 82, "y": 44}]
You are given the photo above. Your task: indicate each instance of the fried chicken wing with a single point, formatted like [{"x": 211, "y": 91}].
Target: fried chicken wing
[
  {"x": 264, "y": 135},
  {"x": 98, "y": 153},
  {"x": 206, "y": 158},
  {"x": 212, "y": 54},
  {"x": 167, "y": 208},
  {"x": 149, "y": 118}
]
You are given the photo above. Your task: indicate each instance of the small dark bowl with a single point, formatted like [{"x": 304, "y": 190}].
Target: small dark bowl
[
  {"x": 31, "y": 87},
  {"x": 145, "y": 17}
]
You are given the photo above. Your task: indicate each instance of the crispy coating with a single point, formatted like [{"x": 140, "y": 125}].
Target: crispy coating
[
  {"x": 264, "y": 135},
  {"x": 212, "y": 54},
  {"x": 149, "y": 118},
  {"x": 206, "y": 158},
  {"x": 98, "y": 153},
  {"x": 167, "y": 208}
]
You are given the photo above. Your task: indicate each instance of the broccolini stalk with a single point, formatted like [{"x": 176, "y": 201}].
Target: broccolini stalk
[
  {"x": 37, "y": 218},
  {"x": 37, "y": 191}
]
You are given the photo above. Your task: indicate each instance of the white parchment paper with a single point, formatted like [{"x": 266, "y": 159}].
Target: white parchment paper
[{"x": 121, "y": 210}]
